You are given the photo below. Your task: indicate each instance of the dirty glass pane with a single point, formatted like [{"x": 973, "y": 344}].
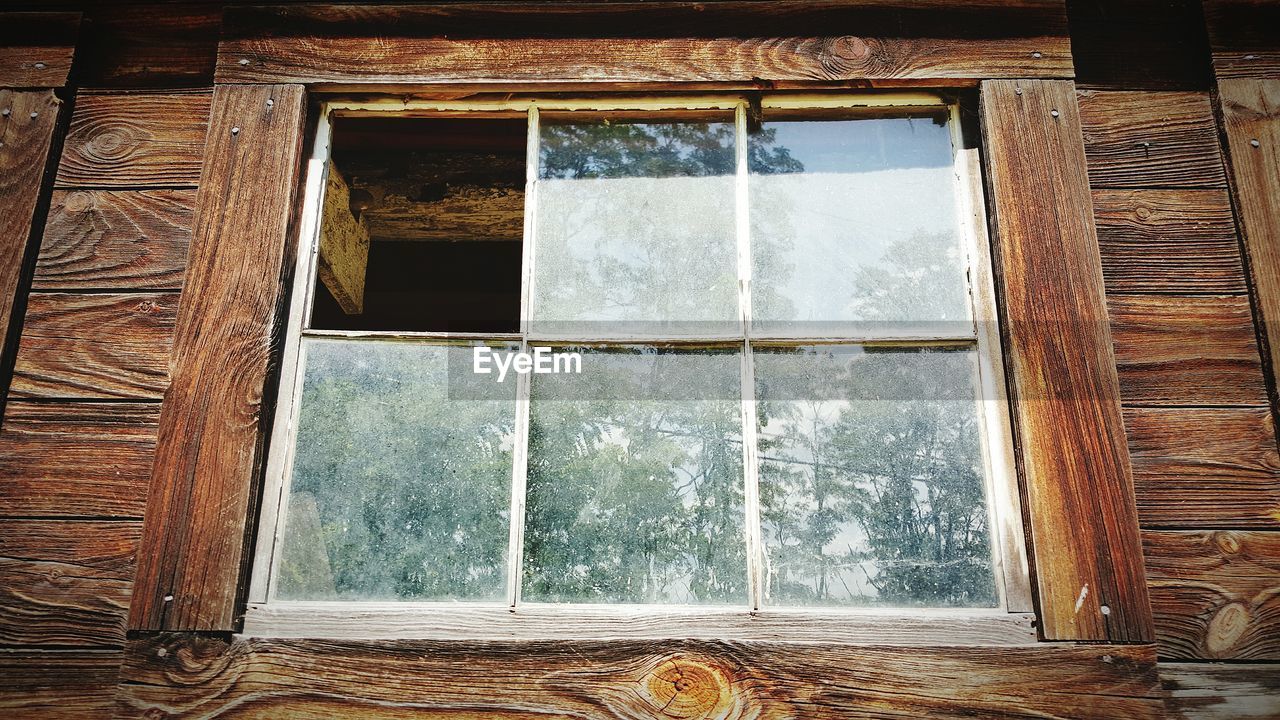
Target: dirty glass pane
[
  {"x": 871, "y": 478},
  {"x": 635, "y": 491},
  {"x": 634, "y": 229},
  {"x": 854, "y": 228},
  {"x": 402, "y": 477}
]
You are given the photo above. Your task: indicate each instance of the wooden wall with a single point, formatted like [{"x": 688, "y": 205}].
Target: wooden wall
[
  {"x": 80, "y": 416},
  {"x": 91, "y": 362}
]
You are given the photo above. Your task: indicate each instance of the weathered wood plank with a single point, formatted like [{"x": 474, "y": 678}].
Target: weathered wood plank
[
  {"x": 138, "y": 139},
  {"x": 66, "y": 582},
  {"x": 345, "y": 62},
  {"x": 44, "y": 684},
  {"x": 634, "y": 679},
  {"x": 27, "y": 121},
  {"x": 113, "y": 345},
  {"x": 344, "y": 246},
  {"x": 1251, "y": 115},
  {"x": 1205, "y": 467},
  {"x": 1168, "y": 241},
  {"x": 116, "y": 240},
  {"x": 210, "y": 441},
  {"x": 1243, "y": 38},
  {"x": 36, "y": 48},
  {"x": 1175, "y": 350},
  {"x": 1079, "y": 487},
  {"x": 76, "y": 459},
  {"x": 1220, "y": 691},
  {"x": 1215, "y": 594},
  {"x": 1139, "y": 139}
]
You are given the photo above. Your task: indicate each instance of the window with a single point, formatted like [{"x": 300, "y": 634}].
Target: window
[{"x": 787, "y": 391}]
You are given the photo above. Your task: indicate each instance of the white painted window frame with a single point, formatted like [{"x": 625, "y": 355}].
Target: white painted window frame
[{"x": 1011, "y": 622}]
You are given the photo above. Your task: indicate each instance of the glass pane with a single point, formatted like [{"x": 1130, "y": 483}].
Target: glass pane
[
  {"x": 871, "y": 478},
  {"x": 854, "y": 229},
  {"x": 635, "y": 487},
  {"x": 402, "y": 476},
  {"x": 634, "y": 232}
]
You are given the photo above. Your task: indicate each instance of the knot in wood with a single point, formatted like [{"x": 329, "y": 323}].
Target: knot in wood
[
  {"x": 1227, "y": 542},
  {"x": 113, "y": 141},
  {"x": 78, "y": 202},
  {"x": 847, "y": 55},
  {"x": 1226, "y": 628},
  {"x": 685, "y": 687}
]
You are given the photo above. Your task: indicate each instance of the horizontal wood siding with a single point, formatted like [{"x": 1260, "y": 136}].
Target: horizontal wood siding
[
  {"x": 1216, "y": 593},
  {"x": 1150, "y": 139},
  {"x": 149, "y": 139},
  {"x": 36, "y": 48},
  {"x": 115, "y": 240},
  {"x": 1221, "y": 691},
  {"x": 90, "y": 346},
  {"x": 38, "y": 684},
  {"x": 188, "y": 675}
]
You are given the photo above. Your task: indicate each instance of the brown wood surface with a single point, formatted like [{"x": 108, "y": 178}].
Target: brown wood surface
[
  {"x": 137, "y": 139},
  {"x": 46, "y": 684},
  {"x": 1205, "y": 467},
  {"x": 27, "y": 122},
  {"x": 1215, "y": 595},
  {"x": 65, "y": 583},
  {"x": 1175, "y": 350},
  {"x": 1137, "y": 139},
  {"x": 1168, "y": 241},
  {"x": 1242, "y": 34},
  {"x": 355, "y": 61},
  {"x": 36, "y": 48},
  {"x": 115, "y": 239},
  {"x": 210, "y": 441},
  {"x": 1079, "y": 487},
  {"x": 1221, "y": 691},
  {"x": 76, "y": 459},
  {"x": 632, "y": 679},
  {"x": 1251, "y": 115},
  {"x": 111, "y": 345}
]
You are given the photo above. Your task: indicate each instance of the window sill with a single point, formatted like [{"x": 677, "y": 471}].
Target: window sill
[{"x": 447, "y": 621}]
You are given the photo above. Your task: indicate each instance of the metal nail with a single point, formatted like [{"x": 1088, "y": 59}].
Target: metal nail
[
  {"x": 1036, "y": 55},
  {"x": 1255, "y": 143},
  {"x": 235, "y": 131},
  {"x": 244, "y": 61},
  {"x": 1053, "y": 113},
  {"x": 40, "y": 66}
]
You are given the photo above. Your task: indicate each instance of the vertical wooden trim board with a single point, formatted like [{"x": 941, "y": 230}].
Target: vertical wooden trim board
[
  {"x": 1251, "y": 115},
  {"x": 1082, "y": 516},
  {"x": 210, "y": 439},
  {"x": 27, "y": 123}
]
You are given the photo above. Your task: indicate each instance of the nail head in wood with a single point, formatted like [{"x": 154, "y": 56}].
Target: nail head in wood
[
  {"x": 244, "y": 61},
  {"x": 1053, "y": 113},
  {"x": 40, "y": 66},
  {"x": 1255, "y": 143},
  {"x": 235, "y": 131},
  {"x": 5, "y": 112},
  {"x": 1036, "y": 55},
  {"x": 1017, "y": 91},
  {"x": 270, "y": 102},
  {"x": 35, "y": 115}
]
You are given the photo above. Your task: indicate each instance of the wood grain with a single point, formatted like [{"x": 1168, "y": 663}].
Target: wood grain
[
  {"x": 1075, "y": 463},
  {"x": 137, "y": 139},
  {"x": 76, "y": 459},
  {"x": 115, "y": 240},
  {"x": 1174, "y": 350},
  {"x": 338, "y": 62},
  {"x": 210, "y": 441},
  {"x": 1215, "y": 595},
  {"x": 66, "y": 583},
  {"x": 343, "y": 259},
  {"x": 191, "y": 676},
  {"x": 1138, "y": 139},
  {"x": 36, "y": 48},
  {"x": 1205, "y": 467},
  {"x": 1168, "y": 241},
  {"x": 26, "y": 134},
  {"x": 111, "y": 345},
  {"x": 1218, "y": 691},
  {"x": 1251, "y": 116},
  {"x": 47, "y": 684}
]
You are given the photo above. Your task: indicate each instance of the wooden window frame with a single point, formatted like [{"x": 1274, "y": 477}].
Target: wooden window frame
[
  {"x": 1073, "y": 463},
  {"x": 1010, "y": 622}
]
